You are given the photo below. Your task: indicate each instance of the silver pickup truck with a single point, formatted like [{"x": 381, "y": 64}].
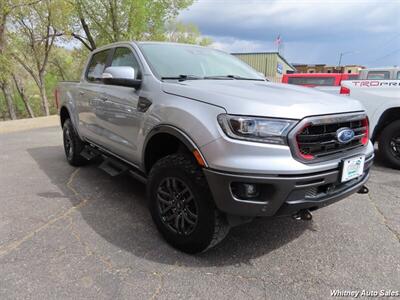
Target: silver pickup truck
[{"x": 216, "y": 144}]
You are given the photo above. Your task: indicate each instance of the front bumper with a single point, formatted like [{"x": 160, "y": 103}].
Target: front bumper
[{"x": 283, "y": 194}]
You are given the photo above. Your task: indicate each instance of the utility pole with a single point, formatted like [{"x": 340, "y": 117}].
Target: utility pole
[
  {"x": 340, "y": 59},
  {"x": 341, "y": 54}
]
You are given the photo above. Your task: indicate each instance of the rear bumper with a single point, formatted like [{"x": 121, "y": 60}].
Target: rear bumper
[{"x": 283, "y": 194}]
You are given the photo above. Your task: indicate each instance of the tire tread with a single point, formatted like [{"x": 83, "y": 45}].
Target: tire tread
[
  {"x": 384, "y": 146},
  {"x": 78, "y": 145},
  {"x": 185, "y": 162}
]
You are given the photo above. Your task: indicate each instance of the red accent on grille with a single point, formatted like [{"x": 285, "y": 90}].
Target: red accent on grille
[
  {"x": 365, "y": 139},
  {"x": 320, "y": 140},
  {"x": 307, "y": 156},
  {"x": 304, "y": 156}
]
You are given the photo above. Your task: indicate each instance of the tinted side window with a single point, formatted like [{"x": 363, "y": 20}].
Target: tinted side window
[
  {"x": 353, "y": 77},
  {"x": 97, "y": 65},
  {"x": 330, "y": 81},
  {"x": 398, "y": 75},
  {"x": 123, "y": 57},
  {"x": 378, "y": 75}
]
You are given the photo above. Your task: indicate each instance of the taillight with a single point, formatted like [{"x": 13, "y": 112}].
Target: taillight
[
  {"x": 57, "y": 98},
  {"x": 344, "y": 91},
  {"x": 365, "y": 138}
]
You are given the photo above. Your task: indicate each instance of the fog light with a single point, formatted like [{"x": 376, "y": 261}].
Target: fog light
[
  {"x": 250, "y": 190},
  {"x": 244, "y": 190}
]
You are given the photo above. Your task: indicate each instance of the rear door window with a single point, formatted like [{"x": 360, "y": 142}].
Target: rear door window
[
  {"x": 378, "y": 75},
  {"x": 320, "y": 81},
  {"x": 97, "y": 65},
  {"x": 398, "y": 75}
]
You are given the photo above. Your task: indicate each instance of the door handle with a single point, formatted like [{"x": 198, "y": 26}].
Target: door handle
[
  {"x": 81, "y": 93},
  {"x": 104, "y": 99}
]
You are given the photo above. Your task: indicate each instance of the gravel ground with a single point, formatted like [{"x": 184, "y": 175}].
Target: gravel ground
[{"x": 68, "y": 233}]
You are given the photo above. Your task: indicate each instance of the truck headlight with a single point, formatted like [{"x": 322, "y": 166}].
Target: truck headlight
[{"x": 264, "y": 130}]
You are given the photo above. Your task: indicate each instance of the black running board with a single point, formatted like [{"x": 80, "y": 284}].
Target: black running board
[
  {"x": 90, "y": 153},
  {"x": 113, "y": 167},
  {"x": 112, "y": 164}
]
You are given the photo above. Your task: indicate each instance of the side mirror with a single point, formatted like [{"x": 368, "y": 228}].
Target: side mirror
[{"x": 124, "y": 76}]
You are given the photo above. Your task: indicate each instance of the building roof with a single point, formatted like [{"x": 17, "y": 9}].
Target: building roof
[
  {"x": 268, "y": 52},
  {"x": 324, "y": 65},
  {"x": 309, "y": 65}
]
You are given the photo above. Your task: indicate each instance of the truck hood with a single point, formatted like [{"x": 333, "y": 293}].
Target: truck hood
[{"x": 258, "y": 98}]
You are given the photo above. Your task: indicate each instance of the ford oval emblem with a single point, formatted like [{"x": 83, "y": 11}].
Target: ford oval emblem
[{"x": 345, "y": 135}]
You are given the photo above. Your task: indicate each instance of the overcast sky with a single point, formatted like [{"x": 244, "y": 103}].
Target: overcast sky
[{"x": 311, "y": 31}]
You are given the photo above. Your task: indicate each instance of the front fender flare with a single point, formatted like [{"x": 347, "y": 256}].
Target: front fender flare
[{"x": 174, "y": 131}]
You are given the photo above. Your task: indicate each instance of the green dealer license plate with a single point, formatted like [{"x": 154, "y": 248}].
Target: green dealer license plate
[{"x": 352, "y": 167}]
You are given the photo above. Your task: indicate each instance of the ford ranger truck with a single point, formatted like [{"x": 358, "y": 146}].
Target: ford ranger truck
[{"x": 216, "y": 144}]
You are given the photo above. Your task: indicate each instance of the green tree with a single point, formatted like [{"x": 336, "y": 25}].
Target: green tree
[
  {"x": 7, "y": 8},
  {"x": 35, "y": 31},
  {"x": 67, "y": 64},
  {"x": 22, "y": 92},
  {"x": 185, "y": 33},
  {"x": 36, "y": 37},
  {"x": 99, "y": 22}
]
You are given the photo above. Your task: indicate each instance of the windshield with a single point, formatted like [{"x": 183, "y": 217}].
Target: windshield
[{"x": 174, "y": 60}]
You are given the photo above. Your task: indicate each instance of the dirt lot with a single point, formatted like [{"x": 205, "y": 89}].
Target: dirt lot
[{"x": 78, "y": 233}]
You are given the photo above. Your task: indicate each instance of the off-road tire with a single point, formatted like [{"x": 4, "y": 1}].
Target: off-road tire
[
  {"x": 211, "y": 226},
  {"x": 390, "y": 132},
  {"x": 73, "y": 145}
]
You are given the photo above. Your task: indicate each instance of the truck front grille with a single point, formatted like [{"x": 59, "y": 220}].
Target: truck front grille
[{"x": 317, "y": 140}]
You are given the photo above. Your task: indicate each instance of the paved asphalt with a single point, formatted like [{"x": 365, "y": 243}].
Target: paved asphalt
[{"x": 78, "y": 233}]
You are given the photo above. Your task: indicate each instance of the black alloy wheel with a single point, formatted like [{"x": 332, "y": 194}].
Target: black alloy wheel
[
  {"x": 182, "y": 206},
  {"x": 176, "y": 205},
  {"x": 395, "y": 145},
  {"x": 68, "y": 144},
  {"x": 73, "y": 145}
]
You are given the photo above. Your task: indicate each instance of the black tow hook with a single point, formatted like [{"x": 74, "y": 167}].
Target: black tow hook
[
  {"x": 303, "y": 214},
  {"x": 363, "y": 190}
]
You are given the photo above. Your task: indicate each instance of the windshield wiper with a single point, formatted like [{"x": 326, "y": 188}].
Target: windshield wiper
[
  {"x": 182, "y": 77},
  {"x": 231, "y": 77}
]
